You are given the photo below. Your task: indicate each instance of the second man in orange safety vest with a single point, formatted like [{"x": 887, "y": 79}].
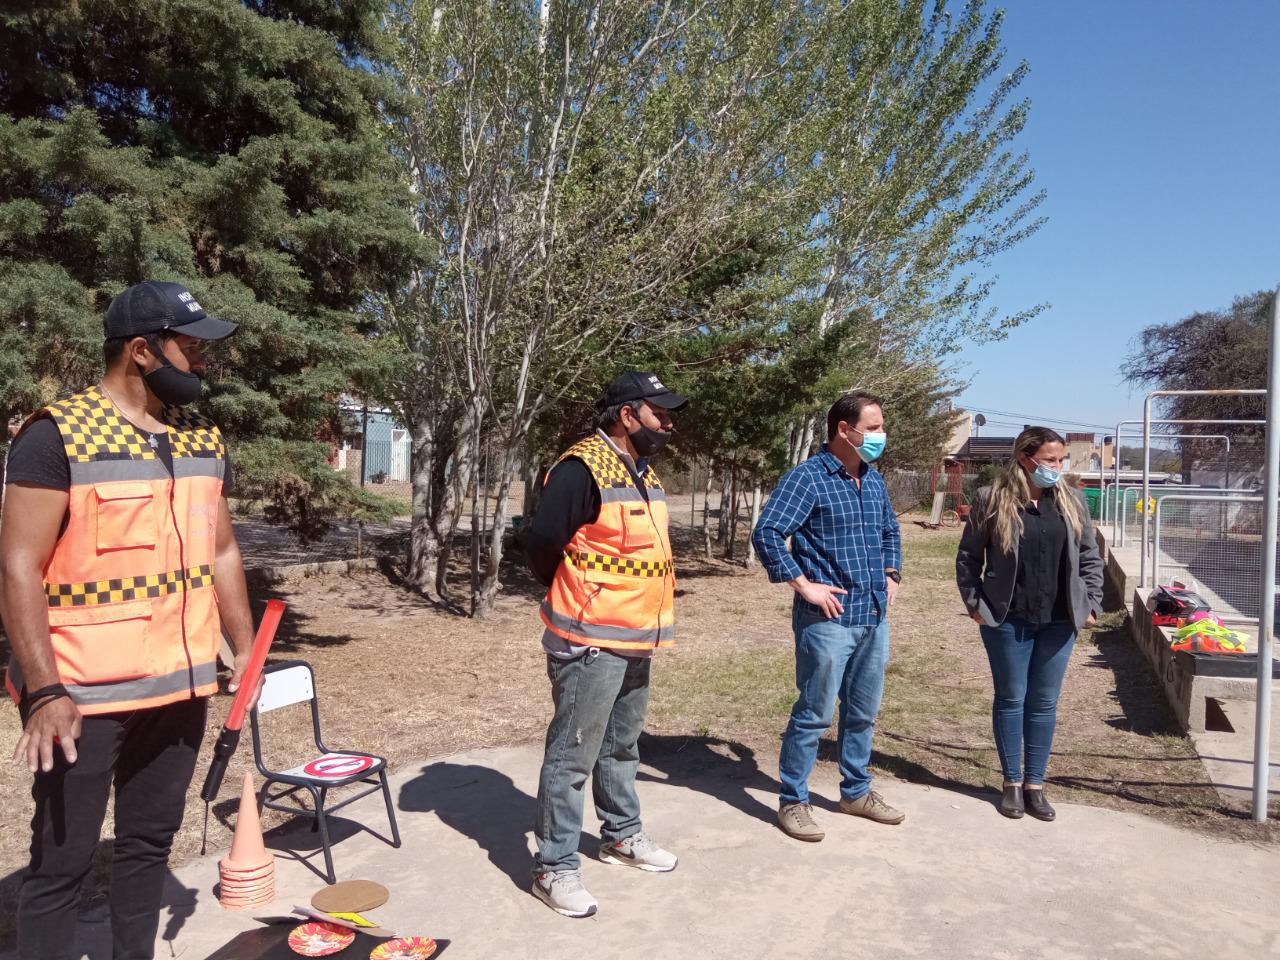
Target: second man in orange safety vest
[{"x": 599, "y": 542}]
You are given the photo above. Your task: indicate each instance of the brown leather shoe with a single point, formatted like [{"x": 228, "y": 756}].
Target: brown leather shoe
[
  {"x": 872, "y": 806},
  {"x": 796, "y": 820}
]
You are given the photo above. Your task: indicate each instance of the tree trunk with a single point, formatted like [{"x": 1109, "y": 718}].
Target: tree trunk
[
  {"x": 726, "y": 483},
  {"x": 706, "y": 507},
  {"x": 424, "y": 544},
  {"x": 806, "y": 440},
  {"x": 490, "y": 583},
  {"x": 475, "y": 532},
  {"x": 793, "y": 437},
  {"x": 693, "y": 494},
  {"x": 732, "y": 538},
  {"x": 453, "y": 503},
  {"x": 532, "y": 486},
  {"x": 756, "y": 499}
]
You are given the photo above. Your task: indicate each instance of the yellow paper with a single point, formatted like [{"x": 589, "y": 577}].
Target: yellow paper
[{"x": 355, "y": 918}]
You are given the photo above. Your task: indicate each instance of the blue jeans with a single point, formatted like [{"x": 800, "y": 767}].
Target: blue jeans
[
  {"x": 1027, "y": 666},
  {"x": 600, "y": 701},
  {"x": 831, "y": 661}
]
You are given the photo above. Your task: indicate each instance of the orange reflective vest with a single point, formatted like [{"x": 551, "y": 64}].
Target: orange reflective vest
[
  {"x": 616, "y": 586},
  {"x": 132, "y": 616}
]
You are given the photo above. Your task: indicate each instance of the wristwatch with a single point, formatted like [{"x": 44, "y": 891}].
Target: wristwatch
[{"x": 893, "y": 575}]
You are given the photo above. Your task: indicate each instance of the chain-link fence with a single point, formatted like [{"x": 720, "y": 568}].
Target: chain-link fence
[{"x": 1213, "y": 542}]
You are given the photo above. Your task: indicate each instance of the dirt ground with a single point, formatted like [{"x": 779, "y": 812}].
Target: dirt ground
[{"x": 406, "y": 681}]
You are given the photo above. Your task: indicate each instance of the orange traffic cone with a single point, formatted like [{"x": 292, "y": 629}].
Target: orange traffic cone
[
  {"x": 248, "y": 873},
  {"x": 247, "y": 848}
]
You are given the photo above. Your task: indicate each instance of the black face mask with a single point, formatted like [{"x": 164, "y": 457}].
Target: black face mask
[
  {"x": 172, "y": 386},
  {"x": 648, "y": 441}
]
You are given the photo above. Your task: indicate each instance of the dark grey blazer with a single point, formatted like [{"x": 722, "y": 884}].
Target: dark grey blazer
[{"x": 986, "y": 574}]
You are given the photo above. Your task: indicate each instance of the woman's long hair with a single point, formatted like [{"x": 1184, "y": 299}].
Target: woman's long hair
[{"x": 1011, "y": 490}]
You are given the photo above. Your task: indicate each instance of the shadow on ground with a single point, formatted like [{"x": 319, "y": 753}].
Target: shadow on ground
[
  {"x": 1137, "y": 693},
  {"x": 93, "y": 920},
  {"x": 486, "y": 806}
]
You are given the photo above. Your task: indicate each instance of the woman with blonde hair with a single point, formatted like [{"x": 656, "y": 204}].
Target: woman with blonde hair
[{"x": 1030, "y": 574}]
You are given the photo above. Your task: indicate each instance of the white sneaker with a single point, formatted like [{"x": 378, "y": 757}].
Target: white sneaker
[
  {"x": 639, "y": 850},
  {"x": 564, "y": 893}
]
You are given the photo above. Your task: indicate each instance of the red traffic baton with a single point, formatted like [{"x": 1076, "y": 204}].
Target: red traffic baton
[{"x": 229, "y": 739}]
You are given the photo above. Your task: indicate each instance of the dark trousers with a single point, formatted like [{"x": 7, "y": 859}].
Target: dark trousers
[{"x": 149, "y": 756}]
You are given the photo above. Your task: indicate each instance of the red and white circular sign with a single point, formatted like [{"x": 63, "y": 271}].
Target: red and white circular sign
[{"x": 334, "y": 765}]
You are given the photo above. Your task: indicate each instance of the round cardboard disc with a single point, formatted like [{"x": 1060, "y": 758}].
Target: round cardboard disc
[{"x": 351, "y": 896}]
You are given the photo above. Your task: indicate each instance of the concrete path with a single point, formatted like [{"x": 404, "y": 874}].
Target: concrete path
[{"x": 956, "y": 880}]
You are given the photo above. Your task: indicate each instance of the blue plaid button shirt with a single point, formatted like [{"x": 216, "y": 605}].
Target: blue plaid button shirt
[{"x": 841, "y": 534}]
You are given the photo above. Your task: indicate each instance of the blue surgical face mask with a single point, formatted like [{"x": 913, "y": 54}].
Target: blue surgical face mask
[
  {"x": 1045, "y": 477},
  {"x": 872, "y": 446}
]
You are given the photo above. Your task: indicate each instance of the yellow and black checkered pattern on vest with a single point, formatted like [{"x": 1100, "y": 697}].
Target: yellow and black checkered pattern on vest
[
  {"x": 93, "y": 429},
  {"x": 625, "y": 566},
  {"x": 123, "y": 589},
  {"x": 607, "y": 468}
]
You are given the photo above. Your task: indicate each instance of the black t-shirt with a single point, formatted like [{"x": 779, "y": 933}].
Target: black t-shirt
[
  {"x": 38, "y": 457},
  {"x": 569, "y": 500}
]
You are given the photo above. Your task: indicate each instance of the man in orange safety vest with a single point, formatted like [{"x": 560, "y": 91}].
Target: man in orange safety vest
[
  {"x": 599, "y": 543},
  {"x": 119, "y": 570}
]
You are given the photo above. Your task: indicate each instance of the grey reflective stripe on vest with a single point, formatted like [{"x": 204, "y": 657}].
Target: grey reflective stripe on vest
[
  {"x": 603, "y": 631},
  {"x": 198, "y": 467},
  {"x": 620, "y": 494},
  {"x": 617, "y": 494},
  {"x": 143, "y": 688},
  {"x": 109, "y": 471}
]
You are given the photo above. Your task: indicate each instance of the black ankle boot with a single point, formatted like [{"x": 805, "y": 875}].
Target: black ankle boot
[
  {"x": 1038, "y": 806},
  {"x": 1011, "y": 803}
]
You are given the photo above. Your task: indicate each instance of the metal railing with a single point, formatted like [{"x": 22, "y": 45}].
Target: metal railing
[
  {"x": 1216, "y": 541},
  {"x": 1147, "y": 421},
  {"x": 1130, "y": 514},
  {"x": 1115, "y": 459}
]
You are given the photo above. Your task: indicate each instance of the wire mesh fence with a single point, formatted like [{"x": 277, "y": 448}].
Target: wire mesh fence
[
  {"x": 1212, "y": 544},
  {"x": 1132, "y": 508}
]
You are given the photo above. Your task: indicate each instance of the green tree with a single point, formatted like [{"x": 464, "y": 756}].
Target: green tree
[
  {"x": 1210, "y": 350},
  {"x": 785, "y": 200},
  {"x": 234, "y": 147}
]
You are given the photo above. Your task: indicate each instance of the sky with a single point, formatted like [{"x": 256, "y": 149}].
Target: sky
[{"x": 1155, "y": 131}]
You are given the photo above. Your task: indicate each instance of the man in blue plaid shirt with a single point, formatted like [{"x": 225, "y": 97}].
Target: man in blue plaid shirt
[{"x": 844, "y": 562}]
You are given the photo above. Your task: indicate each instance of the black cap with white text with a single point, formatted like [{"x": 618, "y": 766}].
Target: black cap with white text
[{"x": 639, "y": 385}]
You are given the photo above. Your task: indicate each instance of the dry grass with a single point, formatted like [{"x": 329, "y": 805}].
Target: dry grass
[{"x": 408, "y": 682}]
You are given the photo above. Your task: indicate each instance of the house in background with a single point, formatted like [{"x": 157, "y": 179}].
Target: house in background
[
  {"x": 1083, "y": 452},
  {"x": 383, "y": 450},
  {"x": 978, "y": 452}
]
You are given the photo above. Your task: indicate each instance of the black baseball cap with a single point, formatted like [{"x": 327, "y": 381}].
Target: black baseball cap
[
  {"x": 155, "y": 305},
  {"x": 639, "y": 385}
]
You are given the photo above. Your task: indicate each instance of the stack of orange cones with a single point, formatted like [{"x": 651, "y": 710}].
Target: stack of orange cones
[{"x": 248, "y": 874}]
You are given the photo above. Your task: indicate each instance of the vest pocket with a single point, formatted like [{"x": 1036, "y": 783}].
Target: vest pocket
[
  {"x": 101, "y": 644},
  {"x": 126, "y": 517},
  {"x": 637, "y": 529}
]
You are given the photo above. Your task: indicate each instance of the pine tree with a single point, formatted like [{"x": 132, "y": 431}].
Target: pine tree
[{"x": 234, "y": 147}]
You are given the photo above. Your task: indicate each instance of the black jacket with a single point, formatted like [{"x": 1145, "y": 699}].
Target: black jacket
[{"x": 986, "y": 574}]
